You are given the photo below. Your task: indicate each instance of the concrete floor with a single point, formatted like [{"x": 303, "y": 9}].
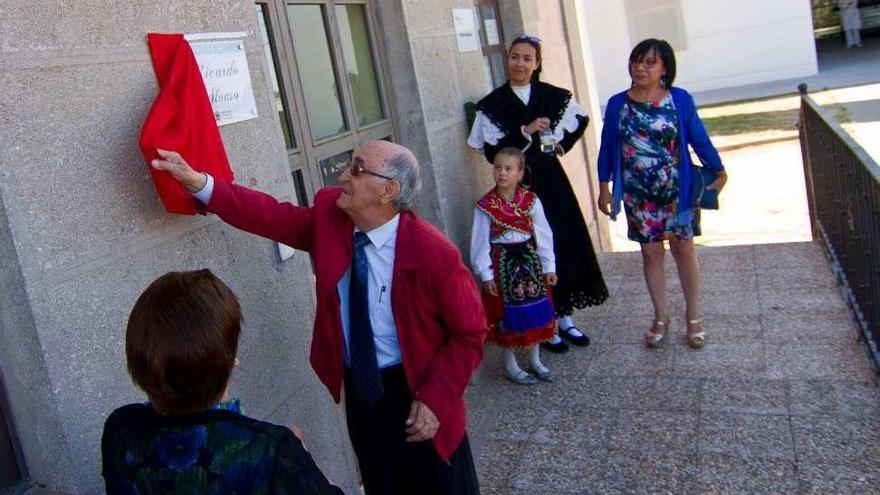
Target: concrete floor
[
  {"x": 780, "y": 401},
  {"x": 763, "y": 202},
  {"x": 838, "y": 68}
]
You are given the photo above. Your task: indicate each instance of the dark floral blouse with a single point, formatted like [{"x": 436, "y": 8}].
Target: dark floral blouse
[{"x": 219, "y": 451}]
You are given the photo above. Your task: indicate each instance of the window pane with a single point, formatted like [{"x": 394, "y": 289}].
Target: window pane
[
  {"x": 660, "y": 19},
  {"x": 487, "y": 74},
  {"x": 359, "y": 64},
  {"x": 269, "y": 51},
  {"x": 331, "y": 168},
  {"x": 497, "y": 61},
  {"x": 316, "y": 70},
  {"x": 491, "y": 36}
]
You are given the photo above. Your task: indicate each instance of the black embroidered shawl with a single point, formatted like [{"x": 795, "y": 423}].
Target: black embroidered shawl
[{"x": 504, "y": 108}]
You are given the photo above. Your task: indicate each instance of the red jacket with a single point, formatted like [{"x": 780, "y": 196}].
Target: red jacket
[{"x": 437, "y": 309}]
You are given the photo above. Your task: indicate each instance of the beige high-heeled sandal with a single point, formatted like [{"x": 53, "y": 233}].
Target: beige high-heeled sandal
[
  {"x": 654, "y": 338},
  {"x": 696, "y": 340}
]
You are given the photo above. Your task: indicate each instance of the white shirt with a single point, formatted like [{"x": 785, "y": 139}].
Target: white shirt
[
  {"x": 523, "y": 92},
  {"x": 850, "y": 17},
  {"x": 481, "y": 259},
  {"x": 380, "y": 260}
]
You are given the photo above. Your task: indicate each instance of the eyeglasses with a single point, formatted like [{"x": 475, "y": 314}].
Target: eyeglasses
[
  {"x": 533, "y": 39},
  {"x": 357, "y": 168},
  {"x": 648, "y": 63}
]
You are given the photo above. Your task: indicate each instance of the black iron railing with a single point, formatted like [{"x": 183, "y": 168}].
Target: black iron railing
[{"x": 843, "y": 191}]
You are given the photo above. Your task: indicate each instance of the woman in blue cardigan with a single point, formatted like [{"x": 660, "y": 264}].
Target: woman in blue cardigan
[{"x": 644, "y": 153}]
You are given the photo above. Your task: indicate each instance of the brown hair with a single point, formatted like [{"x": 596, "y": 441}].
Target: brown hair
[
  {"x": 182, "y": 339},
  {"x": 514, "y": 152}
]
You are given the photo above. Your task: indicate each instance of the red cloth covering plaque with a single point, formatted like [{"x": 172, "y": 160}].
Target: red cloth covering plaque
[{"x": 181, "y": 119}]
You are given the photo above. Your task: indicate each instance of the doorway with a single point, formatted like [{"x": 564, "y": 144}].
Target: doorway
[{"x": 10, "y": 472}]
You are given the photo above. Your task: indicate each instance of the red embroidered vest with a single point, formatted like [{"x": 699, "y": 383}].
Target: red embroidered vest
[{"x": 509, "y": 215}]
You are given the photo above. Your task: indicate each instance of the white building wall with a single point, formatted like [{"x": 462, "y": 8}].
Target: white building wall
[{"x": 728, "y": 43}]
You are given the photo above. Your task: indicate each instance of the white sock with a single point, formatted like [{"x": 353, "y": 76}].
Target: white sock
[
  {"x": 555, "y": 340},
  {"x": 535, "y": 358},
  {"x": 567, "y": 322},
  {"x": 510, "y": 363}
]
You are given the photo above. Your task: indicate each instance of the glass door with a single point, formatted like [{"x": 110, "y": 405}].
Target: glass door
[{"x": 329, "y": 80}]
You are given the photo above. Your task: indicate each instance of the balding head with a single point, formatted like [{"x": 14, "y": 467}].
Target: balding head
[{"x": 399, "y": 163}]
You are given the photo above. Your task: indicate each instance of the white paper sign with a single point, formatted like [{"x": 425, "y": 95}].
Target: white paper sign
[
  {"x": 465, "y": 30},
  {"x": 224, "y": 68},
  {"x": 492, "y": 37}
]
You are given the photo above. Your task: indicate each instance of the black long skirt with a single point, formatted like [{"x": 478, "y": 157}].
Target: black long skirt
[{"x": 580, "y": 279}]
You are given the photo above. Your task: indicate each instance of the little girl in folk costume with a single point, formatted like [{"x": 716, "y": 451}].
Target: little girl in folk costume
[{"x": 512, "y": 253}]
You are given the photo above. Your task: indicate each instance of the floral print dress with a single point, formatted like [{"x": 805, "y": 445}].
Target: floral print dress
[{"x": 650, "y": 153}]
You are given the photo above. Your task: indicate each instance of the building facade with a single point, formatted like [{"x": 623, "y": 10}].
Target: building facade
[
  {"x": 718, "y": 43},
  {"x": 82, "y": 231}
]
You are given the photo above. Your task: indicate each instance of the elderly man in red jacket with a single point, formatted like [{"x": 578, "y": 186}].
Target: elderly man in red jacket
[{"x": 399, "y": 322}]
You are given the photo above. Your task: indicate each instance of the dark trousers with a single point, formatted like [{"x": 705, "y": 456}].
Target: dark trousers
[{"x": 389, "y": 464}]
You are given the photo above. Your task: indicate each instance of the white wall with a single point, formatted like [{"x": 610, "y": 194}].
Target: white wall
[{"x": 728, "y": 43}]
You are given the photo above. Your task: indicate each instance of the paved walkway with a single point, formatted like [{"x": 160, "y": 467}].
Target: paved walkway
[
  {"x": 863, "y": 107},
  {"x": 781, "y": 400},
  {"x": 837, "y": 68},
  {"x": 764, "y": 201}
]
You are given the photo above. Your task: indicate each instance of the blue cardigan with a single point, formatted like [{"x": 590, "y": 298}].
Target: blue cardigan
[{"x": 690, "y": 132}]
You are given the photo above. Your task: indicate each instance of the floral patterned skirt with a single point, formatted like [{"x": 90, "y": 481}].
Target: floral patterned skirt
[
  {"x": 650, "y": 200},
  {"x": 523, "y": 313}
]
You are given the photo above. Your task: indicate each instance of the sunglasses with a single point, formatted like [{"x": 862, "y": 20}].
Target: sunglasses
[
  {"x": 357, "y": 168},
  {"x": 533, "y": 39}
]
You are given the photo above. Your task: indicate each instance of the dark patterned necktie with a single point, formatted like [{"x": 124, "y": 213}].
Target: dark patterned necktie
[{"x": 362, "y": 350}]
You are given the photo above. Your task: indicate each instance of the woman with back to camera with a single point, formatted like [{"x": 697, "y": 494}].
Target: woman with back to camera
[
  {"x": 545, "y": 122},
  {"x": 181, "y": 345},
  {"x": 644, "y": 152}
]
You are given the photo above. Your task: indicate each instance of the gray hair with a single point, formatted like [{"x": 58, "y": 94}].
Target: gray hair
[{"x": 404, "y": 168}]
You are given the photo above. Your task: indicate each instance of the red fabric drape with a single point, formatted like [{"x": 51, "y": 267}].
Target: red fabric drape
[{"x": 181, "y": 119}]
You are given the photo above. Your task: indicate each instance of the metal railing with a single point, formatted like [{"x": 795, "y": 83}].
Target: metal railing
[{"x": 843, "y": 192}]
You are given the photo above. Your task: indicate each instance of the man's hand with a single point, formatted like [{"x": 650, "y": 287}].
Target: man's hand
[
  {"x": 490, "y": 288},
  {"x": 552, "y": 278},
  {"x": 422, "y": 424},
  {"x": 175, "y": 165}
]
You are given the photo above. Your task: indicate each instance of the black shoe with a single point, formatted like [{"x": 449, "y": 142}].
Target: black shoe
[
  {"x": 581, "y": 340},
  {"x": 558, "y": 348}
]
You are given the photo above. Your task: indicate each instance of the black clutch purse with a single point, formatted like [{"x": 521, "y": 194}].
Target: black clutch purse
[{"x": 700, "y": 178}]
